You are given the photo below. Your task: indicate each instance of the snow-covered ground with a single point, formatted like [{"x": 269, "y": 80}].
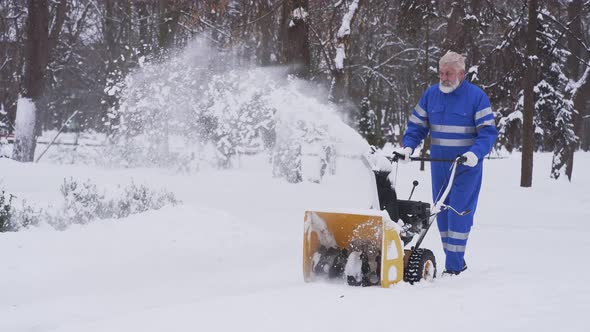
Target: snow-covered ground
[{"x": 230, "y": 257}]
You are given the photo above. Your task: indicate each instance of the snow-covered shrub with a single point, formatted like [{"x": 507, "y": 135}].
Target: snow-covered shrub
[
  {"x": 5, "y": 212},
  {"x": 137, "y": 199},
  {"x": 12, "y": 217},
  {"x": 236, "y": 111},
  {"x": 27, "y": 215},
  {"x": 84, "y": 202}
]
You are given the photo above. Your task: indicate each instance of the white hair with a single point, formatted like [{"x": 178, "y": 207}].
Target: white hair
[{"x": 453, "y": 58}]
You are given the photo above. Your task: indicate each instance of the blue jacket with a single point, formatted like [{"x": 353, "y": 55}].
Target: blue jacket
[{"x": 459, "y": 121}]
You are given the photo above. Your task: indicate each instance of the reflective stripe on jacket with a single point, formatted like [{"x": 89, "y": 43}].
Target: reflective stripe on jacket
[{"x": 459, "y": 121}]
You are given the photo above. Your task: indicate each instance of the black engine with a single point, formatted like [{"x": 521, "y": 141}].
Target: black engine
[{"x": 414, "y": 214}]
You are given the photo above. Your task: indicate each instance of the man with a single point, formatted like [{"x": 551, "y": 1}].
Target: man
[{"x": 460, "y": 120}]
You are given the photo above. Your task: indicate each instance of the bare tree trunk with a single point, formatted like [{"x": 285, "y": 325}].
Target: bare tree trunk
[
  {"x": 143, "y": 16},
  {"x": 169, "y": 16},
  {"x": 109, "y": 29},
  {"x": 266, "y": 32},
  {"x": 426, "y": 84},
  {"x": 296, "y": 49},
  {"x": 112, "y": 54},
  {"x": 455, "y": 39},
  {"x": 284, "y": 27},
  {"x": 574, "y": 10},
  {"x": 37, "y": 56},
  {"x": 342, "y": 41},
  {"x": 476, "y": 54},
  {"x": 526, "y": 175},
  {"x": 55, "y": 27},
  {"x": 60, "y": 18}
]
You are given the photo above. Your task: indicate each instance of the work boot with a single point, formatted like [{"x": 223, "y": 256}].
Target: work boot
[{"x": 455, "y": 273}]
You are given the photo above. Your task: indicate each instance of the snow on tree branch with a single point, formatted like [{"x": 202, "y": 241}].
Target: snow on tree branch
[
  {"x": 6, "y": 61},
  {"x": 299, "y": 14},
  {"x": 574, "y": 86},
  {"x": 344, "y": 30},
  {"x": 342, "y": 35}
]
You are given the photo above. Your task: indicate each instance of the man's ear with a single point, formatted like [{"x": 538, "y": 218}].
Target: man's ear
[{"x": 462, "y": 73}]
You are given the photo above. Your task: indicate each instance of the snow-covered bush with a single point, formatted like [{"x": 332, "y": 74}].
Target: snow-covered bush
[
  {"x": 85, "y": 202},
  {"x": 25, "y": 215},
  {"x": 82, "y": 203},
  {"x": 12, "y": 217},
  {"x": 5, "y": 212},
  {"x": 136, "y": 199},
  {"x": 235, "y": 112}
]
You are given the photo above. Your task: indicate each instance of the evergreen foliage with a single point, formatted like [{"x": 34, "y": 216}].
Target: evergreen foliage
[{"x": 369, "y": 127}]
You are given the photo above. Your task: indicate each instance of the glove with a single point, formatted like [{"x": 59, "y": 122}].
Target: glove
[
  {"x": 471, "y": 159},
  {"x": 406, "y": 152}
]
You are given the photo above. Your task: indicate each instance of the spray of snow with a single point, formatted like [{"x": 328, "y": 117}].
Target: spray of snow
[
  {"x": 198, "y": 110},
  {"x": 354, "y": 265},
  {"x": 318, "y": 225}
]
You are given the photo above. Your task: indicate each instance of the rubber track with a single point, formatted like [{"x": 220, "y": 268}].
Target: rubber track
[{"x": 413, "y": 273}]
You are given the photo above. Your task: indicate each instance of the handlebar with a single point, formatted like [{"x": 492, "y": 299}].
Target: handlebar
[{"x": 398, "y": 156}]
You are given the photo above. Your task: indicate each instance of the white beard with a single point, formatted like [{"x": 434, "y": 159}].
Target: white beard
[{"x": 448, "y": 89}]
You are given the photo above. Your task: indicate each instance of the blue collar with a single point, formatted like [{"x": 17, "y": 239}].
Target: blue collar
[{"x": 460, "y": 88}]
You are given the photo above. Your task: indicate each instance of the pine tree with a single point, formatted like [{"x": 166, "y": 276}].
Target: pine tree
[
  {"x": 553, "y": 108},
  {"x": 368, "y": 125}
]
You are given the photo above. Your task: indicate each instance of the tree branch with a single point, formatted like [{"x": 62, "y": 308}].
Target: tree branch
[
  {"x": 378, "y": 74},
  {"x": 80, "y": 22},
  {"x": 6, "y": 61},
  {"x": 566, "y": 28},
  {"x": 263, "y": 16},
  {"x": 507, "y": 37},
  {"x": 15, "y": 17},
  {"x": 322, "y": 47},
  {"x": 60, "y": 18},
  {"x": 209, "y": 25}
]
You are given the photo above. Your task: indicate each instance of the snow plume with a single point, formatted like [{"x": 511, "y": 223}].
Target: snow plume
[
  {"x": 196, "y": 109},
  {"x": 309, "y": 134}
]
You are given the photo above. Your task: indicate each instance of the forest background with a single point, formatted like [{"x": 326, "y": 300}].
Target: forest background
[{"x": 374, "y": 58}]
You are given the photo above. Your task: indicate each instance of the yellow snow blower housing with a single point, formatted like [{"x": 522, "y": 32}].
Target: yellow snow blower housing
[{"x": 364, "y": 249}]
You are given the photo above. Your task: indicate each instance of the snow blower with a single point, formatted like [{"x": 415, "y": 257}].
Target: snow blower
[{"x": 366, "y": 248}]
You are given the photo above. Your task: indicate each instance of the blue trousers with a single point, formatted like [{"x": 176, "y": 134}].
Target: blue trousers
[{"x": 454, "y": 229}]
